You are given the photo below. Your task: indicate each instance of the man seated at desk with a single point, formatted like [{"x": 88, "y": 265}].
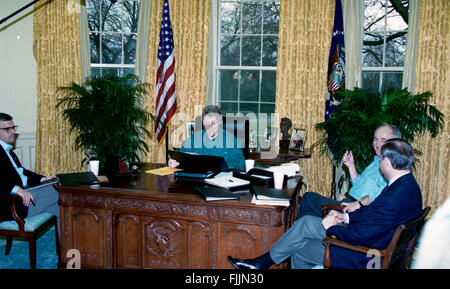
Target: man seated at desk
[{"x": 214, "y": 140}]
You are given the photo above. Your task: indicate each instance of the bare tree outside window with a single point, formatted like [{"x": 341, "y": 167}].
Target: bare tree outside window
[
  {"x": 112, "y": 35},
  {"x": 384, "y": 38},
  {"x": 247, "y": 56}
]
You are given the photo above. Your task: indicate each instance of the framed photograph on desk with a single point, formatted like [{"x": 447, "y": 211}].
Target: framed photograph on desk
[
  {"x": 190, "y": 126},
  {"x": 298, "y": 139},
  {"x": 270, "y": 134}
]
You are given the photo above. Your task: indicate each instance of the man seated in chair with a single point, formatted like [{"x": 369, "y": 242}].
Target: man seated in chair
[
  {"x": 214, "y": 140},
  {"x": 14, "y": 178},
  {"x": 365, "y": 186},
  {"x": 372, "y": 226}
]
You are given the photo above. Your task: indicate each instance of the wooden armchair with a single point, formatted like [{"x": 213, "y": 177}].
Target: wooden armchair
[
  {"x": 30, "y": 228},
  {"x": 398, "y": 254}
]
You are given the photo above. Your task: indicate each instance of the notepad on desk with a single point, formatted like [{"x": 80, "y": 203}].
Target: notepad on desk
[
  {"x": 210, "y": 193},
  {"x": 270, "y": 202},
  {"x": 227, "y": 181}
]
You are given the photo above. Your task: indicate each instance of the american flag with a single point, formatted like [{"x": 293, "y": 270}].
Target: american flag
[{"x": 166, "y": 102}]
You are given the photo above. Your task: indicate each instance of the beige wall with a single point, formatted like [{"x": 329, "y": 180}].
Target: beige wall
[{"x": 17, "y": 66}]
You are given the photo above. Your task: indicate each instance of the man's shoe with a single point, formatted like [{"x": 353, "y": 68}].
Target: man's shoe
[{"x": 241, "y": 264}]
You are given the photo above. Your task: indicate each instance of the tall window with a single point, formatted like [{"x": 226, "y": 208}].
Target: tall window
[
  {"x": 384, "y": 36},
  {"x": 112, "y": 36},
  {"x": 247, "y": 54}
]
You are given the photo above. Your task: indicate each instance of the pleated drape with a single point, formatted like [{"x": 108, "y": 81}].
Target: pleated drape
[
  {"x": 432, "y": 74},
  {"x": 304, "y": 44},
  {"x": 190, "y": 23},
  {"x": 57, "y": 52}
]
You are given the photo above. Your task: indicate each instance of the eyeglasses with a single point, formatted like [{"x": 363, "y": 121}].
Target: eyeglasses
[{"x": 8, "y": 129}]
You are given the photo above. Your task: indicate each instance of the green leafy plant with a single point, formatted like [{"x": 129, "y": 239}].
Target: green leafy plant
[
  {"x": 352, "y": 124},
  {"x": 108, "y": 115}
]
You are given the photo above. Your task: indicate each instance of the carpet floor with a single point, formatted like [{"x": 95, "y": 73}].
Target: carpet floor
[{"x": 19, "y": 258}]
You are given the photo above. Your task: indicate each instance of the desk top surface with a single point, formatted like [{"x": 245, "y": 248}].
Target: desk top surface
[{"x": 159, "y": 187}]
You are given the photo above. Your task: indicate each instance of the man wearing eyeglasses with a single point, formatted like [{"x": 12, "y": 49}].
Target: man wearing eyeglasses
[{"x": 13, "y": 177}]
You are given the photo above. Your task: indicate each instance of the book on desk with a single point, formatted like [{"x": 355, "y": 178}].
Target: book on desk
[
  {"x": 263, "y": 195},
  {"x": 227, "y": 181},
  {"x": 211, "y": 193}
]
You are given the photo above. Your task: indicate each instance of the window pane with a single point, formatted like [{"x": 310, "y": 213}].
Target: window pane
[
  {"x": 131, "y": 15},
  {"x": 251, "y": 51},
  {"x": 228, "y": 84},
  {"x": 93, "y": 8},
  {"x": 371, "y": 81},
  {"x": 96, "y": 71},
  {"x": 372, "y": 53},
  {"x": 129, "y": 48},
  {"x": 249, "y": 85},
  {"x": 94, "y": 44},
  {"x": 228, "y": 107},
  {"x": 126, "y": 71},
  {"x": 271, "y": 17},
  {"x": 112, "y": 48},
  {"x": 396, "y": 49},
  {"x": 112, "y": 16},
  {"x": 270, "y": 50},
  {"x": 230, "y": 18},
  {"x": 268, "y": 86},
  {"x": 229, "y": 50},
  {"x": 374, "y": 15},
  {"x": 397, "y": 20},
  {"x": 392, "y": 80},
  {"x": 248, "y": 107},
  {"x": 251, "y": 18}
]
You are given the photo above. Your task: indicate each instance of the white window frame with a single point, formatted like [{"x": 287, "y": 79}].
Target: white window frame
[
  {"x": 216, "y": 26},
  {"x": 118, "y": 66},
  {"x": 383, "y": 68}
]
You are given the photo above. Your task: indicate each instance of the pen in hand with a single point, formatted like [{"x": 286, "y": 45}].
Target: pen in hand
[{"x": 32, "y": 202}]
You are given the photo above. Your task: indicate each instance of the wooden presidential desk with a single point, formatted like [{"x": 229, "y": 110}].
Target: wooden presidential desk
[{"x": 156, "y": 222}]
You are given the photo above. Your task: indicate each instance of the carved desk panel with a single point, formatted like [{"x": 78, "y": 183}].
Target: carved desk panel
[{"x": 156, "y": 222}]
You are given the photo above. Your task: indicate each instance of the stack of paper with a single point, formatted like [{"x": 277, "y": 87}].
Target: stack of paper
[{"x": 227, "y": 181}]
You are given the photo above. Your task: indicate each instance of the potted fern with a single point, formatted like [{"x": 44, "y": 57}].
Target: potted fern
[
  {"x": 351, "y": 125},
  {"x": 108, "y": 115}
]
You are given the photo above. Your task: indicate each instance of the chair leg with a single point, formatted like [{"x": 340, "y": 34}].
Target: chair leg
[
  {"x": 32, "y": 248},
  {"x": 9, "y": 240},
  {"x": 58, "y": 245}
]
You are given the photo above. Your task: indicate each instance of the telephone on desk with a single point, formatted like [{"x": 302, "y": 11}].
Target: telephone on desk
[{"x": 264, "y": 177}]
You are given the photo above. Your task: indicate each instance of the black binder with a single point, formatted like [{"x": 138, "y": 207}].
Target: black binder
[
  {"x": 210, "y": 193},
  {"x": 267, "y": 193},
  {"x": 256, "y": 177},
  {"x": 82, "y": 178}
]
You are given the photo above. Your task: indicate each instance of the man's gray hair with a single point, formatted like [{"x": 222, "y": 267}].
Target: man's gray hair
[
  {"x": 395, "y": 130},
  {"x": 211, "y": 109}
]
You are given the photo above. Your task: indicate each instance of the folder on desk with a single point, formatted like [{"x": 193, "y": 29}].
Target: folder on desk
[
  {"x": 268, "y": 193},
  {"x": 210, "y": 193},
  {"x": 81, "y": 178},
  {"x": 198, "y": 166}
]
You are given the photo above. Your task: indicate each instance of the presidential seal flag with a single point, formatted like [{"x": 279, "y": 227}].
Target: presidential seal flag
[
  {"x": 166, "y": 102},
  {"x": 336, "y": 62}
]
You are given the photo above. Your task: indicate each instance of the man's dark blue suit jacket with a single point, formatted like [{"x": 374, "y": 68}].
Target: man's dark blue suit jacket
[
  {"x": 375, "y": 224},
  {"x": 10, "y": 178}
]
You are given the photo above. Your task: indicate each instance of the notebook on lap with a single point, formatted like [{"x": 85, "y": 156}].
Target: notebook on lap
[{"x": 198, "y": 166}]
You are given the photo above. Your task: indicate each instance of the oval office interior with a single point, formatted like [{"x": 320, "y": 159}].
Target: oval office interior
[{"x": 47, "y": 46}]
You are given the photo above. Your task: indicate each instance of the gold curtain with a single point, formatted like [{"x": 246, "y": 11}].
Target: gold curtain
[
  {"x": 190, "y": 24},
  {"x": 432, "y": 74},
  {"x": 304, "y": 43},
  {"x": 57, "y": 52}
]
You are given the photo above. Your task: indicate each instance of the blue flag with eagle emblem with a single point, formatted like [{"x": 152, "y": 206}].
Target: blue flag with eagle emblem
[{"x": 336, "y": 62}]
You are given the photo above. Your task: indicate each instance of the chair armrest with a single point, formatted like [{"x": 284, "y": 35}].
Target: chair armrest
[
  {"x": 327, "y": 207},
  {"x": 333, "y": 240},
  {"x": 15, "y": 198}
]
